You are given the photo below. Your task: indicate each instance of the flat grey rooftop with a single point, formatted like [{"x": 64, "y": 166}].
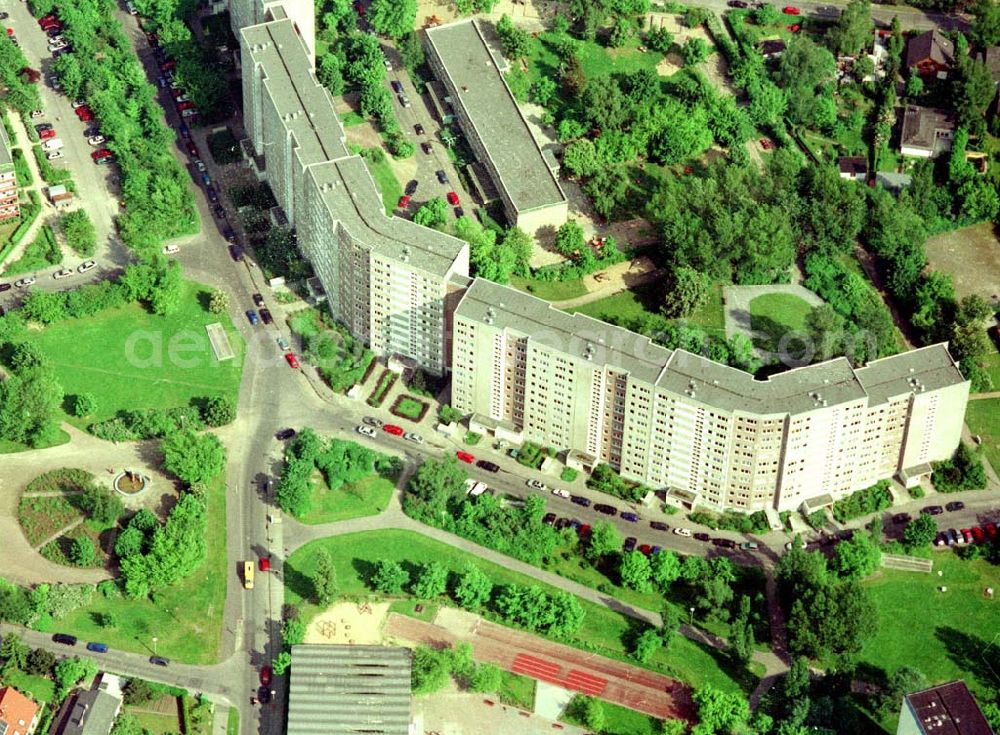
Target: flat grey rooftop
[
  {"x": 479, "y": 89},
  {"x": 6, "y": 159},
  {"x": 305, "y": 107},
  {"x": 345, "y": 690},
  {"x": 702, "y": 380},
  {"x": 352, "y": 198}
]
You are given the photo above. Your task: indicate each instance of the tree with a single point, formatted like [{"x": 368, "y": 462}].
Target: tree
[
  {"x": 741, "y": 636},
  {"x": 486, "y": 678},
  {"x": 593, "y": 714},
  {"x": 432, "y": 213},
  {"x": 827, "y": 331},
  {"x": 14, "y": 652},
  {"x": 82, "y": 552},
  {"x": 766, "y": 15},
  {"x": 856, "y": 558},
  {"x": 853, "y": 29},
  {"x": 569, "y": 238},
  {"x": 515, "y": 41},
  {"x": 40, "y": 662},
  {"x": 646, "y": 644},
  {"x": 474, "y": 588},
  {"x": 604, "y": 539},
  {"x": 429, "y": 670},
  {"x": 543, "y": 90},
  {"x": 664, "y": 569},
  {"x": 84, "y": 404},
  {"x": 519, "y": 247},
  {"x": 218, "y": 302},
  {"x": 392, "y": 18},
  {"x": 580, "y": 158},
  {"x": 622, "y": 32},
  {"x": 804, "y": 69},
  {"x": 695, "y": 50},
  {"x": 919, "y": 532},
  {"x": 660, "y": 39},
  {"x": 986, "y": 27},
  {"x": 687, "y": 291},
  {"x": 635, "y": 571},
  {"x": 219, "y": 411},
  {"x": 192, "y": 457},
  {"x": 293, "y": 632},
  {"x": 70, "y": 671},
  {"x": 914, "y": 86},
  {"x": 972, "y": 91},
  {"x": 137, "y": 692},
  {"x": 719, "y": 712},
  {"x": 324, "y": 579},
  {"x": 79, "y": 231},
  {"x": 389, "y": 577},
  {"x": 431, "y": 580},
  {"x": 281, "y": 663}
]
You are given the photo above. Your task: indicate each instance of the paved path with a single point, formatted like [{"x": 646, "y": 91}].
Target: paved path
[
  {"x": 982, "y": 396},
  {"x": 775, "y": 661}
]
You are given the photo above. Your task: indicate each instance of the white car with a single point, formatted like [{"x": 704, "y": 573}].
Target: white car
[
  {"x": 170, "y": 249},
  {"x": 367, "y": 431},
  {"x": 560, "y": 493},
  {"x": 78, "y": 103},
  {"x": 683, "y": 532},
  {"x": 199, "y": 164},
  {"x": 53, "y": 47},
  {"x": 86, "y": 265},
  {"x": 52, "y": 144},
  {"x": 536, "y": 485},
  {"x": 96, "y": 139},
  {"x": 36, "y": 114},
  {"x": 388, "y": 64},
  {"x": 415, "y": 438},
  {"x": 26, "y": 281},
  {"x": 191, "y": 112},
  {"x": 53, "y": 155},
  {"x": 64, "y": 273}
]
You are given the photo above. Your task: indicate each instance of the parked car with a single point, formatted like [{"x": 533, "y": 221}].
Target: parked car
[
  {"x": 284, "y": 434},
  {"x": 24, "y": 282},
  {"x": 465, "y": 457},
  {"x": 191, "y": 112},
  {"x": 549, "y": 518},
  {"x": 658, "y": 525},
  {"x": 292, "y": 360},
  {"x": 537, "y": 485},
  {"x": 737, "y": 4},
  {"x": 397, "y": 88},
  {"x": 990, "y": 529},
  {"x": 4, "y": 287},
  {"x": 185, "y": 131},
  {"x": 749, "y": 546},
  {"x": 252, "y": 317},
  {"x": 452, "y": 198},
  {"x": 265, "y": 316},
  {"x": 372, "y": 421},
  {"x": 418, "y": 129},
  {"x": 65, "y": 639},
  {"x": 629, "y": 516},
  {"x": 645, "y": 549},
  {"x": 96, "y": 139},
  {"x": 367, "y": 431},
  {"x": 608, "y": 510},
  {"x": 211, "y": 193},
  {"x": 702, "y": 536},
  {"x": 86, "y": 266},
  {"x": 228, "y": 233},
  {"x": 766, "y": 144},
  {"x": 794, "y": 28},
  {"x": 404, "y": 100},
  {"x": 282, "y": 344},
  {"x": 159, "y": 661},
  {"x": 442, "y": 177},
  {"x": 53, "y": 155},
  {"x": 485, "y": 464},
  {"x": 53, "y": 144},
  {"x": 560, "y": 493},
  {"x": 265, "y": 676},
  {"x": 584, "y": 531},
  {"x": 393, "y": 429},
  {"x": 901, "y": 518},
  {"x": 97, "y": 647},
  {"x": 185, "y": 104},
  {"x": 170, "y": 249},
  {"x": 425, "y": 147},
  {"x": 236, "y": 252},
  {"x": 932, "y": 510},
  {"x": 46, "y": 133},
  {"x": 683, "y": 532},
  {"x": 91, "y": 130},
  {"x": 404, "y": 201},
  {"x": 791, "y": 10},
  {"x": 42, "y": 127},
  {"x": 100, "y": 153},
  {"x": 978, "y": 536},
  {"x": 35, "y": 114},
  {"x": 411, "y": 187},
  {"x": 580, "y": 500},
  {"x": 629, "y": 544},
  {"x": 411, "y": 436},
  {"x": 954, "y": 505},
  {"x": 724, "y": 543}
]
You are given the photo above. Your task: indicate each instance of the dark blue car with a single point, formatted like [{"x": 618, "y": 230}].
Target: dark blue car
[
  {"x": 252, "y": 317},
  {"x": 580, "y": 500},
  {"x": 97, "y": 647},
  {"x": 630, "y": 517}
]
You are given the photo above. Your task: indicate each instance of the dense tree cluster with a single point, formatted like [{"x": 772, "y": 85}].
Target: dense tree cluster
[
  {"x": 863, "y": 502},
  {"x": 19, "y": 92},
  {"x": 491, "y": 256},
  {"x": 964, "y": 471},
  {"x": 192, "y": 457},
  {"x": 341, "y": 462},
  {"x": 103, "y": 70}
]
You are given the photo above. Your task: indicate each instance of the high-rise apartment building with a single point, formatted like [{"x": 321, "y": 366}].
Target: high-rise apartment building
[
  {"x": 302, "y": 13},
  {"x": 9, "y": 207},
  {"x": 706, "y": 433}
]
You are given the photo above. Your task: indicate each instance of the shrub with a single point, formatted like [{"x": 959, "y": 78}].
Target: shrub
[
  {"x": 964, "y": 471},
  {"x": 863, "y": 502},
  {"x": 79, "y": 231}
]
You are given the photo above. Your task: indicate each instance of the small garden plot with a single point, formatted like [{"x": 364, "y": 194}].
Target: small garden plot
[
  {"x": 408, "y": 407},
  {"x": 81, "y": 546},
  {"x": 385, "y": 382}
]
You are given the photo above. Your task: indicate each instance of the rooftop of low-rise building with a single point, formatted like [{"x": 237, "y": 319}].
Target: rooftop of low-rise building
[
  {"x": 350, "y": 194},
  {"x": 796, "y": 391},
  {"x": 490, "y": 108},
  {"x": 932, "y": 45},
  {"x": 922, "y": 126},
  {"x": 345, "y": 690},
  {"x": 947, "y": 709},
  {"x": 303, "y": 104},
  {"x": 17, "y": 712},
  {"x": 6, "y": 157},
  {"x": 90, "y": 712},
  {"x": 853, "y": 165}
]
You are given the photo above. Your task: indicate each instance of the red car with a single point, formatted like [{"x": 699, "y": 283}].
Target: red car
[
  {"x": 46, "y": 134},
  {"x": 84, "y": 113},
  {"x": 292, "y": 361},
  {"x": 584, "y": 531},
  {"x": 53, "y": 25},
  {"x": 265, "y": 564},
  {"x": 791, "y": 10},
  {"x": 766, "y": 144},
  {"x": 978, "y": 535},
  {"x": 185, "y": 105},
  {"x": 47, "y": 20},
  {"x": 177, "y": 92},
  {"x": 265, "y": 676},
  {"x": 10, "y": 32},
  {"x": 465, "y": 457},
  {"x": 192, "y": 149},
  {"x": 404, "y": 201},
  {"x": 452, "y": 198},
  {"x": 393, "y": 429},
  {"x": 100, "y": 153},
  {"x": 967, "y": 535},
  {"x": 991, "y": 530},
  {"x": 646, "y": 549},
  {"x": 794, "y": 28}
]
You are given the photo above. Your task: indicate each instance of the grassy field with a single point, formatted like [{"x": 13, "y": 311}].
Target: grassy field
[
  {"x": 622, "y": 721},
  {"x": 958, "y": 630},
  {"x": 992, "y": 364},
  {"x": 233, "y": 722},
  {"x": 155, "y": 723},
  {"x": 410, "y": 408},
  {"x": 132, "y": 359},
  {"x": 639, "y": 303},
  {"x": 595, "y": 59},
  {"x": 40, "y": 517},
  {"x": 604, "y": 631},
  {"x": 367, "y": 497},
  {"x": 387, "y": 182},
  {"x": 348, "y": 119},
  {"x": 550, "y": 290},
  {"x": 518, "y": 690},
  {"x": 983, "y": 418},
  {"x": 776, "y": 314},
  {"x": 186, "y": 618},
  {"x": 9, "y": 447},
  {"x": 37, "y": 688}
]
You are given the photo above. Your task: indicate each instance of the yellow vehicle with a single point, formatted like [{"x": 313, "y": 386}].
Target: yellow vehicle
[{"x": 248, "y": 575}]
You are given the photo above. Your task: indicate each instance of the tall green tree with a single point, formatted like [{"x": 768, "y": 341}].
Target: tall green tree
[
  {"x": 194, "y": 458},
  {"x": 392, "y": 18},
  {"x": 853, "y": 30},
  {"x": 473, "y": 589},
  {"x": 431, "y": 580},
  {"x": 324, "y": 579}
]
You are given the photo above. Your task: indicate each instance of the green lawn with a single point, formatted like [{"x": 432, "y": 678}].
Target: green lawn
[
  {"x": 367, "y": 497},
  {"x": 410, "y": 408},
  {"x": 37, "y": 688},
  {"x": 983, "y": 418},
  {"x": 603, "y": 630},
  {"x": 776, "y": 314},
  {"x": 518, "y": 690},
  {"x": 622, "y": 721},
  {"x": 550, "y": 290},
  {"x": 637, "y": 304},
  {"x": 8, "y": 447},
  {"x": 958, "y": 630},
  {"x": 132, "y": 359},
  {"x": 595, "y": 59},
  {"x": 387, "y": 182},
  {"x": 992, "y": 364},
  {"x": 186, "y": 618},
  {"x": 351, "y": 118},
  {"x": 155, "y": 723}
]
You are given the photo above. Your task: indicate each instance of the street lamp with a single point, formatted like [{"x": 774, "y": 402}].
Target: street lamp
[
  {"x": 690, "y": 619},
  {"x": 154, "y": 645}
]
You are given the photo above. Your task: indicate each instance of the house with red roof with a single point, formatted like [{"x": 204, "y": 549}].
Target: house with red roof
[{"x": 18, "y": 714}]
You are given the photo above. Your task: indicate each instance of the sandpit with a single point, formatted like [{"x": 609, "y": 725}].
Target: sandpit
[{"x": 349, "y": 622}]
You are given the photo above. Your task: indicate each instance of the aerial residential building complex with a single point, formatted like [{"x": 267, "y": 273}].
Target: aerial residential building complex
[
  {"x": 18, "y": 714},
  {"x": 702, "y": 432},
  {"x": 947, "y": 709},
  {"x": 494, "y": 126},
  {"x": 8, "y": 181}
]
